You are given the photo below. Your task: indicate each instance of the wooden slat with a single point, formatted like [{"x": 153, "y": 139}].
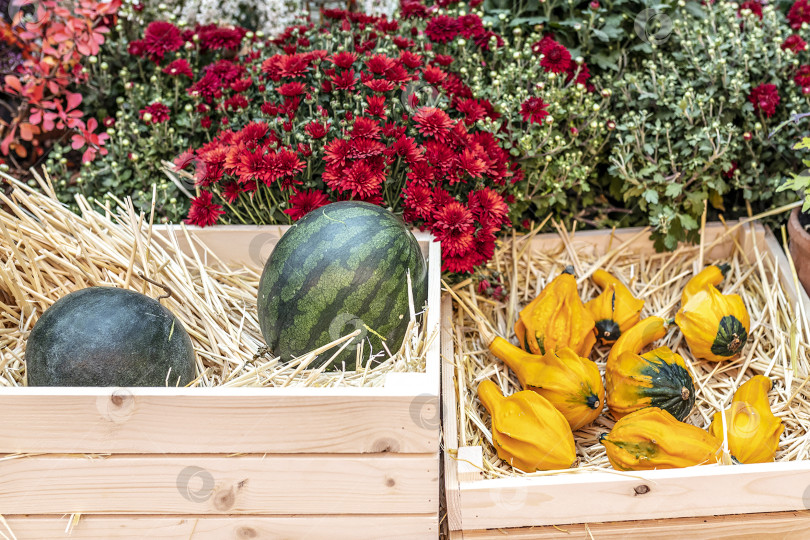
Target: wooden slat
[
  {"x": 246, "y": 244},
  {"x": 296, "y": 484},
  {"x": 216, "y": 420},
  {"x": 782, "y": 525},
  {"x": 694, "y": 491},
  {"x": 450, "y": 426},
  {"x": 366, "y": 527}
]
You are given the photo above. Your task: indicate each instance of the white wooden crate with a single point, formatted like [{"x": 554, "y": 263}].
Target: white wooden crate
[
  {"x": 537, "y": 507},
  {"x": 228, "y": 462}
]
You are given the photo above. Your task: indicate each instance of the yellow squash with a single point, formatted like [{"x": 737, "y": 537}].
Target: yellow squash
[
  {"x": 571, "y": 383},
  {"x": 753, "y": 430},
  {"x": 615, "y": 310},
  {"x": 638, "y": 337},
  {"x": 711, "y": 276},
  {"x": 652, "y": 438},
  {"x": 715, "y": 325},
  {"x": 658, "y": 378},
  {"x": 556, "y": 318},
  {"x": 528, "y": 432}
]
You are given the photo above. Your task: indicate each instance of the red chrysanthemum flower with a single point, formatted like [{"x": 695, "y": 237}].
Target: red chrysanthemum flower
[
  {"x": 802, "y": 77},
  {"x": 433, "y": 75},
  {"x": 365, "y": 127},
  {"x": 158, "y": 113},
  {"x": 470, "y": 25},
  {"x": 184, "y": 160},
  {"x": 794, "y": 43},
  {"x": 376, "y": 105},
  {"x": 483, "y": 39},
  {"x": 489, "y": 208},
  {"x": 293, "y": 65},
  {"x": 471, "y": 109},
  {"x": 417, "y": 201},
  {"x": 471, "y": 163},
  {"x": 799, "y": 13},
  {"x": 432, "y": 122},
  {"x": 765, "y": 98},
  {"x": 365, "y": 148},
  {"x": 179, "y": 67},
  {"x": 292, "y": 89},
  {"x": 412, "y": 8},
  {"x": 336, "y": 152},
  {"x": 410, "y": 59},
  {"x": 288, "y": 162},
  {"x": 361, "y": 179},
  {"x": 442, "y": 28},
  {"x": 403, "y": 42},
  {"x": 231, "y": 191},
  {"x": 304, "y": 202},
  {"x": 379, "y": 85},
  {"x": 252, "y": 134},
  {"x": 440, "y": 155},
  {"x": 316, "y": 130},
  {"x": 240, "y": 85},
  {"x": 343, "y": 59},
  {"x": 234, "y": 103},
  {"x": 136, "y": 48},
  {"x": 556, "y": 58},
  {"x": 214, "y": 37},
  {"x": 421, "y": 173},
  {"x": 161, "y": 37},
  {"x": 405, "y": 147},
  {"x": 379, "y": 64},
  {"x": 730, "y": 172},
  {"x": 533, "y": 110},
  {"x": 203, "y": 211},
  {"x": 345, "y": 80},
  {"x": 453, "y": 226}
]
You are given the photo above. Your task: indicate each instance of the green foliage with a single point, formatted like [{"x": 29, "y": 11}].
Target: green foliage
[
  {"x": 603, "y": 32},
  {"x": 687, "y": 134},
  {"x": 800, "y": 182},
  {"x": 560, "y": 157}
]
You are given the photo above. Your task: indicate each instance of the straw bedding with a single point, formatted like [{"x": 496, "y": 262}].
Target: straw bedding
[
  {"x": 47, "y": 252},
  {"x": 778, "y": 346}
]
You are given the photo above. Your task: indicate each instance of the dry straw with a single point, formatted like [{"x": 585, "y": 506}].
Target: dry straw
[
  {"x": 46, "y": 252},
  {"x": 778, "y": 346}
]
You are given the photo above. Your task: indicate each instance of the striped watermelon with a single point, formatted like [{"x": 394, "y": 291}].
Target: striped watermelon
[{"x": 339, "y": 268}]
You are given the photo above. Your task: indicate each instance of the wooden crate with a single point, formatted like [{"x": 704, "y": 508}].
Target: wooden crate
[
  {"x": 540, "y": 507},
  {"x": 220, "y": 463}
]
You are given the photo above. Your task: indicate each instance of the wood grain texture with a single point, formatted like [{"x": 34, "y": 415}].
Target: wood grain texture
[
  {"x": 246, "y": 244},
  {"x": 449, "y": 424},
  {"x": 217, "y": 420},
  {"x": 690, "y": 492},
  {"x": 366, "y": 527},
  {"x": 293, "y": 484},
  {"x": 781, "y": 525}
]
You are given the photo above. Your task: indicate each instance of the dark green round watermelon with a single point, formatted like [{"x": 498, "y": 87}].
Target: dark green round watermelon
[
  {"x": 104, "y": 336},
  {"x": 339, "y": 268}
]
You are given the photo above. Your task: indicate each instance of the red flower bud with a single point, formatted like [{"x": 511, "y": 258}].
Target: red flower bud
[
  {"x": 108, "y": 121},
  {"x": 137, "y": 7},
  {"x": 594, "y": 5},
  {"x": 747, "y": 136},
  {"x": 574, "y": 131}
]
